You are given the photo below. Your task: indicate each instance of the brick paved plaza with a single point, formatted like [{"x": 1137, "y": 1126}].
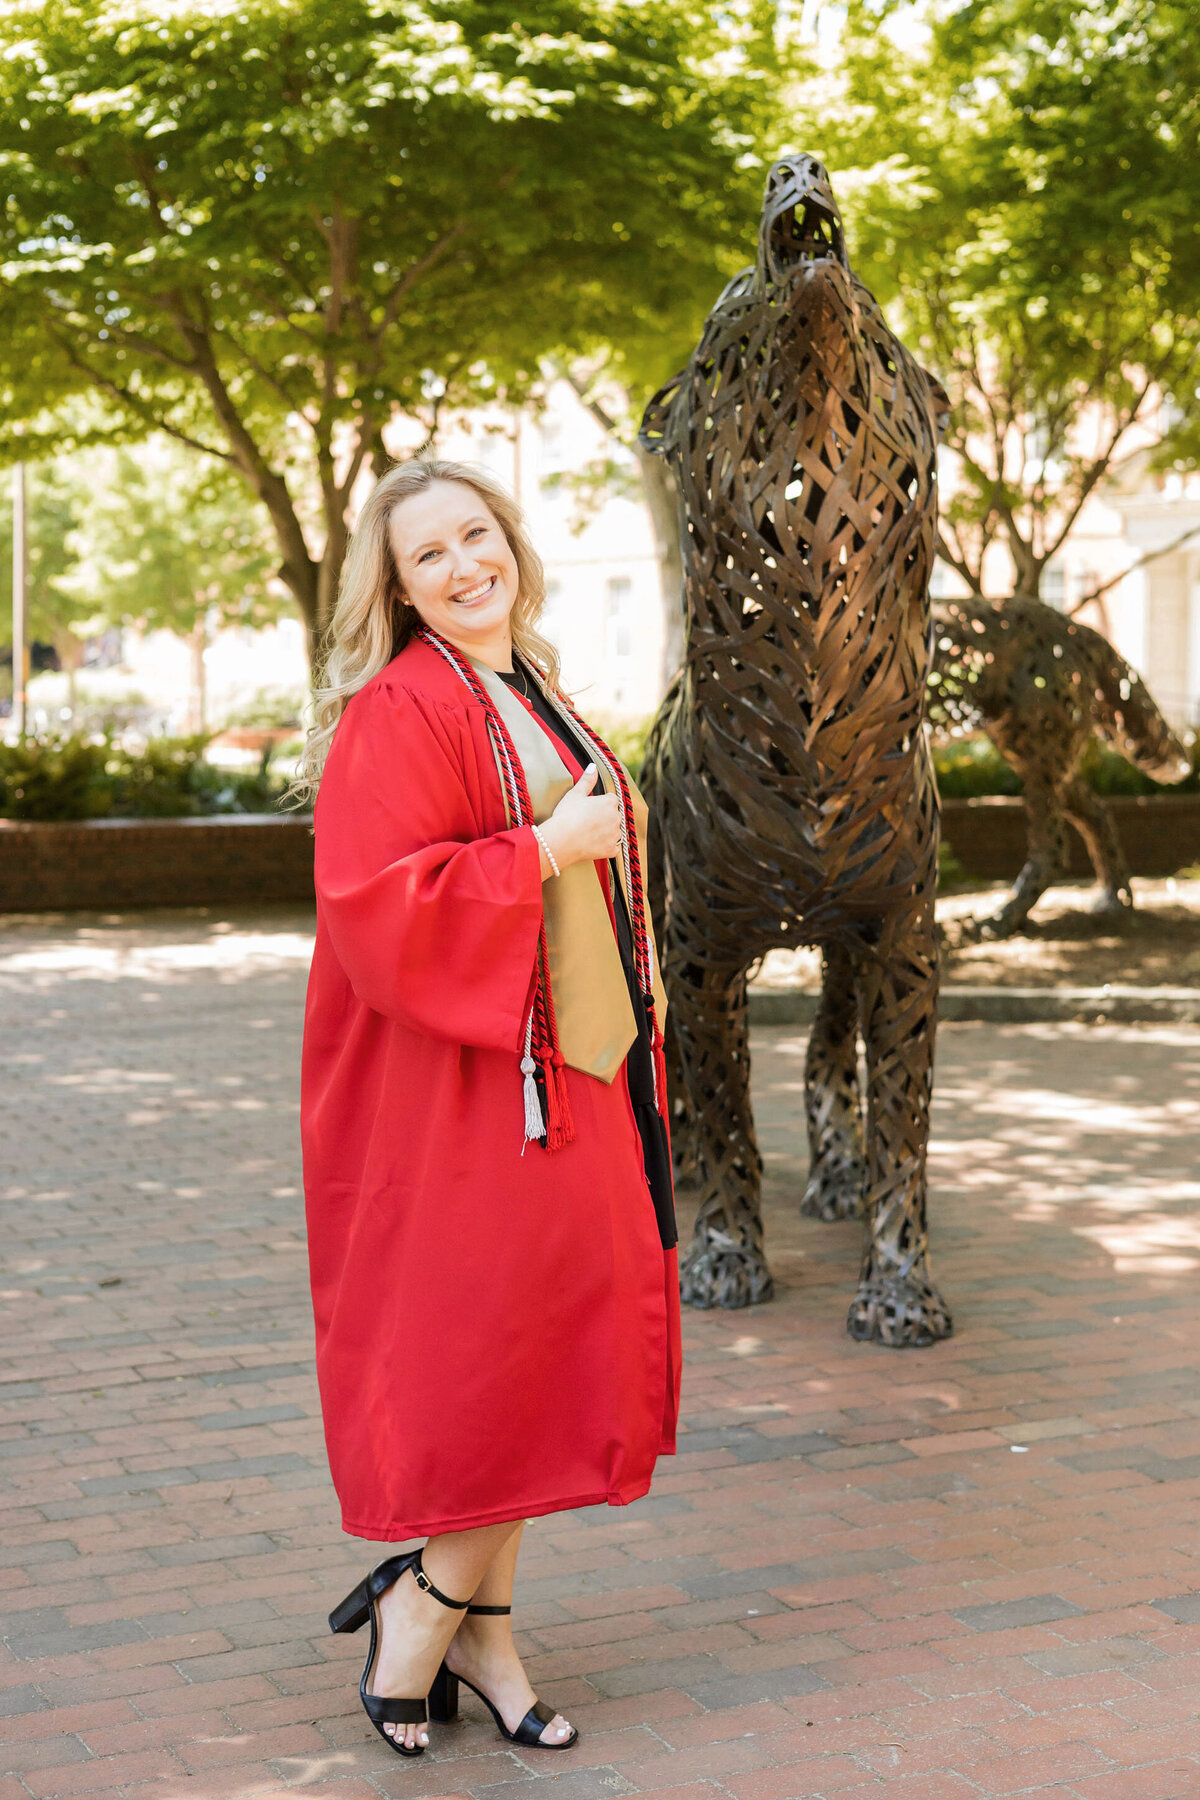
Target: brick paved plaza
[{"x": 965, "y": 1571}]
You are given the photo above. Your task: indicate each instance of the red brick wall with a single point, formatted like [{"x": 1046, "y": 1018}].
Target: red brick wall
[
  {"x": 1160, "y": 834},
  {"x": 154, "y": 862},
  {"x": 202, "y": 862}
]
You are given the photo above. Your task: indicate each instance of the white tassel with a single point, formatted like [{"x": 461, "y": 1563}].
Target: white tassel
[{"x": 534, "y": 1124}]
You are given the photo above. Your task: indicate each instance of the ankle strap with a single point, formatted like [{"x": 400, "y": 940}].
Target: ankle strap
[
  {"x": 492, "y": 1611},
  {"x": 426, "y": 1586}
]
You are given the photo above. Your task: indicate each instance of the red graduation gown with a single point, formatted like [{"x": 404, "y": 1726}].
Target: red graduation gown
[{"x": 497, "y": 1333}]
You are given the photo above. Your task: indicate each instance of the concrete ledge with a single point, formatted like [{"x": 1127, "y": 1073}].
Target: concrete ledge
[
  {"x": 1117, "y": 1005},
  {"x": 111, "y": 863}
]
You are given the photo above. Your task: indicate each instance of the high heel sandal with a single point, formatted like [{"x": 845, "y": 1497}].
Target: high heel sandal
[
  {"x": 354, "y": 1612},
  {"x": 443, "y": 1703}
]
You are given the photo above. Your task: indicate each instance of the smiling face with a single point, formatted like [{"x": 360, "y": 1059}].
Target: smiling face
[{"x": 457, "y": 568}]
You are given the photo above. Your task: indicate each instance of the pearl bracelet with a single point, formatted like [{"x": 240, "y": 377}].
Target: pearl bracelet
[{"x": 549, "y": 852}]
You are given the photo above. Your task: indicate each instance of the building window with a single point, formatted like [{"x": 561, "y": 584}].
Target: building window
[
  {"x": 618, "y": 608},
  {"x": 1054, "y": 586}
]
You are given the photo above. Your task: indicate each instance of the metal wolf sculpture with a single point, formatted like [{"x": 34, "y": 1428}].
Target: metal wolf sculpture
[
  {"x": 788, "y": 765},
  {"x": 1041, "y": 686}
]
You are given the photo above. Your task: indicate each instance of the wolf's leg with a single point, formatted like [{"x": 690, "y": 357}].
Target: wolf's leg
[
  {"x": 1094, "y": 823},
  {"x": 725, "y": 1264},
  {"x": 1045, "y": 855},
  {"x": 832, "y": 1102},
  {"x": 656, "y": 784},
  {"x": 684, "y": 1155},
  {"x": 897, "y": 1302}
]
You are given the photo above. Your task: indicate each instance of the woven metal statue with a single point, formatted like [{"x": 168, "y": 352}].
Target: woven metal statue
[
  {"x": 790, "y": 775},
  {"x": 1042, "y": 686}
]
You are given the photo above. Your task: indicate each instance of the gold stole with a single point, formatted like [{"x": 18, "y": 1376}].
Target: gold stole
[{"x": 596, "y": 1026}]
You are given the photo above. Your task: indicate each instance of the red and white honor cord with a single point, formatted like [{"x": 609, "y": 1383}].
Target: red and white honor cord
[{"x": 541, "y": 1027}]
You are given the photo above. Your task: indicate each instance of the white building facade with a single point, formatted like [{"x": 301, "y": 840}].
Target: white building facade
[
  {"x": 603, "y": 611},
  {"x": 1137, "y": 539},
  {"x": 604, "y": 595},
  {"x": 603, "y": 591}
]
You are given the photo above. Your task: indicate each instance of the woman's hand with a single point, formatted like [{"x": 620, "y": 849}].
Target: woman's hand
[{"x": 584, "y": 827}]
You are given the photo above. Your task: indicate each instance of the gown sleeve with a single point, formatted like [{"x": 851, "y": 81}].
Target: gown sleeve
[{"x": 435, "y": 926}]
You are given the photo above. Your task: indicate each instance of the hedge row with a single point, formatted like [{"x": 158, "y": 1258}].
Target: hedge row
[
  {"x": 78, "y": 778},
  {"x": 46, "y": 779},
  {"x": 970, "y": 768}
]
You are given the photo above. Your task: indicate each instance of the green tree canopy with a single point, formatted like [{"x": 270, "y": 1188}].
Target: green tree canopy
[
  {"x": 166, "y": 541},
  {"x": 150, "y": 536},
  {"x": 1026, "y": 188},
  {"x": 291, "y": 219}
]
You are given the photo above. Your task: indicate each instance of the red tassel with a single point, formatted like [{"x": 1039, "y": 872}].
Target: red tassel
[
  {"x": 553, "y": 1114},
  {"x": 660, "y": 1072},
  {"x": 560, "y": 1125}
]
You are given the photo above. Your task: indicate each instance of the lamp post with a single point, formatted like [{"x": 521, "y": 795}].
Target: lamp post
[{"x": 20, "y": 601}]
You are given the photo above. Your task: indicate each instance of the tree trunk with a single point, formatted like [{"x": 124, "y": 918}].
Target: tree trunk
[
  {"x": 1027, "y": 568},
  {"x": 663, "y": 505},
  {"x": 314, "y": 586}
]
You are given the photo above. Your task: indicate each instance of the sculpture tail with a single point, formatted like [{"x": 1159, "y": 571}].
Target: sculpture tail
[{"x": 1129, "y": 718}]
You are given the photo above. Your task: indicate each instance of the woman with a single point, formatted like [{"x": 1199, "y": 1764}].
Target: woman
[{"x": 487, "y": 1170}]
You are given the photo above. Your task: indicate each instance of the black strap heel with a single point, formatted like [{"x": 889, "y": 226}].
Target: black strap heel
[
  {"x": 528, "y": 1732},
  {"x": 355, "y": 1610},
  {"x": 443, "y": 1696}
]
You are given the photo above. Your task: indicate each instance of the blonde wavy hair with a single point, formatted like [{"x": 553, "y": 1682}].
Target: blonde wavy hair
[{"x": 372, "y": 621}]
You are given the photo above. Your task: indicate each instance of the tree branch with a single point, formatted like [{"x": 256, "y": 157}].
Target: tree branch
[
  {"x": 272, "y": 380},
  {"x": 136, "y": 405},
  {"x": 410, "y": 278},
  {"x": 958, "y": 560},
  {"x": 362, "y": 449},
  {"x": 1151, "y": 556},
  {"x": 340, "y": 237},
  {"x": 600, "y": 413},
  {"x": 280, "y": 316},
  {"x": 271, "y": 488},
  {"x": 1097, "y": 468}
]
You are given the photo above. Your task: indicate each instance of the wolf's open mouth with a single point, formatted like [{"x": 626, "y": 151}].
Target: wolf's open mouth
[{"x": 807, "y": 233}]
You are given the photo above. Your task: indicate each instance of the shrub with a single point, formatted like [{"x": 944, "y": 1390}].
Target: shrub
[
  {"x": 967, "y": 768},
  {"x": 627, "y": 739},
  {"x": 76, "y": 777},
  {"x": 1108, "y": 773},
  {"x": 951, "y": 874},
  {"x": 53, "y": 778}
]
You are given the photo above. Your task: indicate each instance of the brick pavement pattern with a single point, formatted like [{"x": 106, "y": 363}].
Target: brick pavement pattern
[{"x": 964, "y": 1571}]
